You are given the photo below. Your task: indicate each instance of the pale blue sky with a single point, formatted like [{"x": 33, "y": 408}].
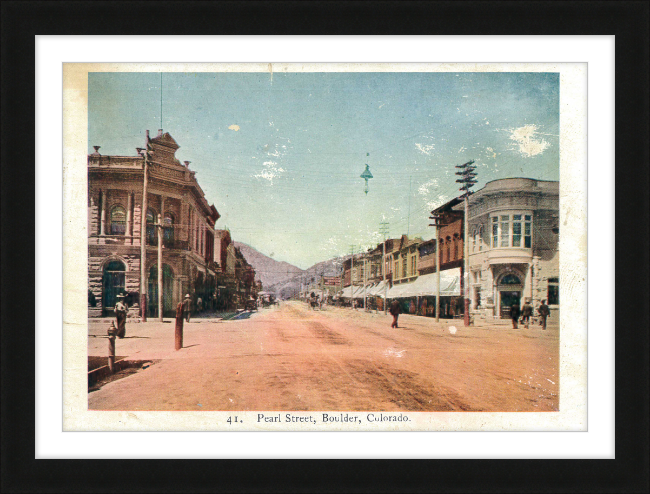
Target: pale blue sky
[{"x": 280, "y": 156}]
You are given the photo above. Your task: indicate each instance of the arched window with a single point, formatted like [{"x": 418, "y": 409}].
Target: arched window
[
  {"x": 168, "y": 230},
  {"x": 510, "y": 279},
  {"x": 118, "y": 220},
  {"x": 151, "y": 229}
]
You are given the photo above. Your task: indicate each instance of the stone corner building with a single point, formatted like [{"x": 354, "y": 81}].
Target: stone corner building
[
  {"x": 115, "y": 220},
  {"x": 513, "y": 246}
]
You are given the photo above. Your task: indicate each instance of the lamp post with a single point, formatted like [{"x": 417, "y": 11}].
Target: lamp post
[
  {"x": 467, "y": 179},
  {"x": 366, "y": 175}
]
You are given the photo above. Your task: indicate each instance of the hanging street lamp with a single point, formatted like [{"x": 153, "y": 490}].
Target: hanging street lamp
[{"x": 366, "y": 175}]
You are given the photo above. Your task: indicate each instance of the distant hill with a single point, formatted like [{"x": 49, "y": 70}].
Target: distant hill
[
  {"x": 269, "y": 271},
  {"x": 290, "y": 286}
]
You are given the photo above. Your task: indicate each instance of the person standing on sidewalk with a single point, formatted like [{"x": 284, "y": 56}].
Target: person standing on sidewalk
[
  {"x": 515, "y": 312},
  {"x": 187, "y": 307},
  {"x": 526, "y": 312},
  {"x": 395, "y": 312},
  {"x": 544, "y": 313},
  {"x": 121, "y": 309}
]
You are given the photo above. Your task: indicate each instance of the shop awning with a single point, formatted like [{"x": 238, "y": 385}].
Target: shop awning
[
  {"x": 425, "y": 286},
  {"x": 345, "y": 293},
  {"x": 379, "y": 290}
]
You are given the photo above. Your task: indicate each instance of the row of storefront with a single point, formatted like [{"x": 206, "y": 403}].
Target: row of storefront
[{"x": 512, "y": 249}]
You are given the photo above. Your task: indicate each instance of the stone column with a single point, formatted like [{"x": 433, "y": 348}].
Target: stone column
[
  {"x": 529, "y": 281},
  {"x": 129, "y": 218},
  {"x": 102, "y": 224}
]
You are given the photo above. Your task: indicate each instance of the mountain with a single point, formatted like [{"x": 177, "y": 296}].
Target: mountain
[
  {"x": 290, "y": 287},
  {"x": 269, "y": 271}
]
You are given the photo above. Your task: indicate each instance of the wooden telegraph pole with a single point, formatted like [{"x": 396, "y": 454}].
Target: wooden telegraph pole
[
  {"x": 436, "y": 224},
  {"x": 467, "y": 174},
  {"x": 383, "y": 229},
  {"x": 352, "y": 276},
  {"x": 147, "y": 154},
  {"x": 160, "y": 263}
]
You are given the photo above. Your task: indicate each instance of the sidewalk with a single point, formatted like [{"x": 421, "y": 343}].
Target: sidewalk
[
  {"x": 425, "y": 321},
  {"x": 153, "y": 339}
]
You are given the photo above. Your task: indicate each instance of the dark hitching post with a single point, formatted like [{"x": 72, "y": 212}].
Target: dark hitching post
[
  {"x": 178, "y": 340},
  {"x": 112, "y": 331}
]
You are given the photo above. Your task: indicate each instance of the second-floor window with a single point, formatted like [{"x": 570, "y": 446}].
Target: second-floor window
[
  {"x": 168, "y": 230},
  {"x": 118, "y": 220},
  {"x": 413, "y": 265},
  {"x": 404, "y": 267},
  {"x": 512, "y": 230},
  {"x": 151, "y": 229}
]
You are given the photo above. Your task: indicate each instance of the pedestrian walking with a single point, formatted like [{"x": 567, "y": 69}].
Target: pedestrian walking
[
  {"x": 199, "y": 304},
  {"x": 187, "y": 307},
  {"x": 121, "y": 310},
  {"x": 395, "y": 311},
  {"x": 515, "y": 312},
  {"x": 543, "y": 312},
  {"x": 526, "y": 312}
]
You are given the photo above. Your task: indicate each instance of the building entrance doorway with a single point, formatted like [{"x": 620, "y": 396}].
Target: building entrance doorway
[
  {"x": 510, "y": 289},
  {"x": 508, "y": 299},
  {"x": 113, "y": 285},
  {"x": 168, "y": 292}
]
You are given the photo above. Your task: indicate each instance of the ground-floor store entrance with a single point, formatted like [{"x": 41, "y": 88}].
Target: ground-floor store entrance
[{"x": 508, "y": 299}]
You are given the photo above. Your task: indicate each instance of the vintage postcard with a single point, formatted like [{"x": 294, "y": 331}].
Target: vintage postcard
[{"x": 325, "y": 247}]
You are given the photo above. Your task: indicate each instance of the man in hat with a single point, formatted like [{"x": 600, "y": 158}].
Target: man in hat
[
  {"x": 395, "y": 310},
  {"x": 187, "y": 307},
  {"x": 543, "y": 312},
  {"x": 515, "y": 312},
  {"x": 121, "y": 309},
  {"x": 526, "y": 312}
]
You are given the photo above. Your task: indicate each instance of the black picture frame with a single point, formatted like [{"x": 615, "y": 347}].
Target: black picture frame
[{"x": 21, "y": 21}]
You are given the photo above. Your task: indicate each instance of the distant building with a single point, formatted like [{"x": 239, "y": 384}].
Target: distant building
[
  {"x": 116, "y": 219},
  {"x": 513, "y": 245},
  {"x": 405, "y": 259}
]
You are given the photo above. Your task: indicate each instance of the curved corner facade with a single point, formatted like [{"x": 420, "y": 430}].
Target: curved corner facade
[{"x": 513, "y": 246}]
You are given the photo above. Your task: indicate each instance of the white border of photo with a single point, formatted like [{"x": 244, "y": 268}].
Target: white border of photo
[{"x": 592, "y": 439}]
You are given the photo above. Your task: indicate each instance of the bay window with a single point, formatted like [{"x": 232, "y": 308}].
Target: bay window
[{"x": 512, "y": 230}]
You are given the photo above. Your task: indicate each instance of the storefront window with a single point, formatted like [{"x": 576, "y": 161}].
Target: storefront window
[{"x": 553, "y": 291}]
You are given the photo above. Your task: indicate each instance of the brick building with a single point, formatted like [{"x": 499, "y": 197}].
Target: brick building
[{"x": 115, "y": 222}]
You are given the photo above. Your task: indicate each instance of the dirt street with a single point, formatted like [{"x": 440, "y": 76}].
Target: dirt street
[{"x": 296, "y": 359}]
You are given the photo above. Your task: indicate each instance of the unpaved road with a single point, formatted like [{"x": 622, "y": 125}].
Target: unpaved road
[{"x": 295, "y": 359}]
